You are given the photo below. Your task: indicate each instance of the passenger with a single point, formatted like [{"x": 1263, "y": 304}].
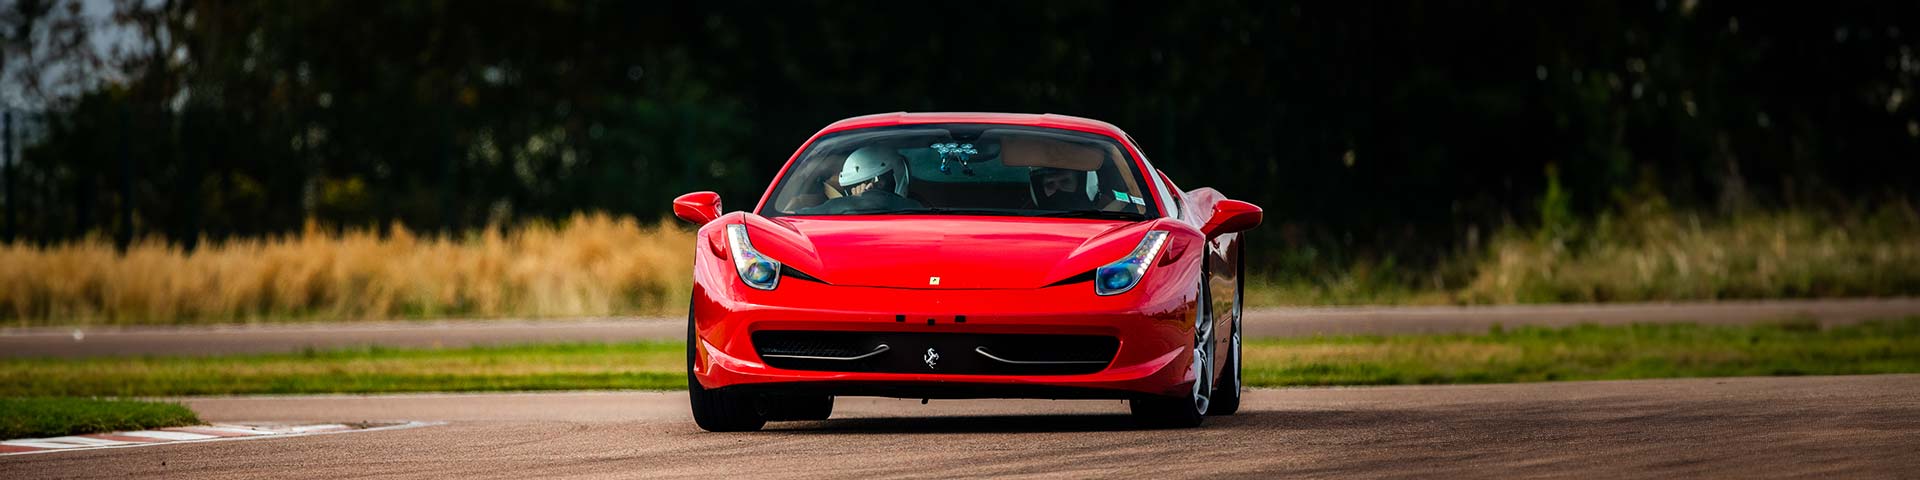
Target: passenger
[
  {"x": 867, "y": 183},
  {"x": 1059, "y": 189}
]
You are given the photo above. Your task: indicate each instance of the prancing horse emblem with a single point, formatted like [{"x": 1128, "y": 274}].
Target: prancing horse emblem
[{"x": 932, "y": 358}]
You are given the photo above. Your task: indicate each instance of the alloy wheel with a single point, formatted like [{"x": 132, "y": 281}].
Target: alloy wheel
[{"x": 1203, "y": 352}]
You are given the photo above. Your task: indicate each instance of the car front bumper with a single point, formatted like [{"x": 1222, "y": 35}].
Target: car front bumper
[{"x": 1153, "y": 326}]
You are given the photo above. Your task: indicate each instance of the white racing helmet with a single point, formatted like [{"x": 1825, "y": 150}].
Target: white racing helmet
[{"x": 873, "y": 161}]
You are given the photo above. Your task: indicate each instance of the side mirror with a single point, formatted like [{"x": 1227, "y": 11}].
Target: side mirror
[
  {"x": 1231, "y": 216},
  {"x": 697, "y": 207}
]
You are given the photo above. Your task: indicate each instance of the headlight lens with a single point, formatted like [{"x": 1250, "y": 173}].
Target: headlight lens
[
  {"x": 755, "y": 270},
  {"x": 1120, "y": 276}
]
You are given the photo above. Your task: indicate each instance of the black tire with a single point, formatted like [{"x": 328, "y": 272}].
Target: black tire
[
  {"x": 718, "y": 410},
  {"x": 1179, "y": 411},
  {"x": 1165, "y": 412},
  {"x": 1226, "y": 393},
  {"x": 799, "y": 407}
]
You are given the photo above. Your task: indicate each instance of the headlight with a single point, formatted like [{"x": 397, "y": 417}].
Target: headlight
[
  {"x": 1122, "y": 275},
  {"x": 755, "y": 270}
]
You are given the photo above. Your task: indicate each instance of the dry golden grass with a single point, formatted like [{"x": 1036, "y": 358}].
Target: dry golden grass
[
  {"x": 590, "y": 264},
  {"x": 596, "y": 264},
  {"x": 1642, "y": 251},
  {"x": 1657, "y": 255}
]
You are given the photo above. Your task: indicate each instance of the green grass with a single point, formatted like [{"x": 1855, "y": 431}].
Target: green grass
[
  {"x": 1516, "y": 355},
  {"x": 1588, "y": 353},
  {"x": 645, "y": 365},
  {"x": 40, "y": 417}
]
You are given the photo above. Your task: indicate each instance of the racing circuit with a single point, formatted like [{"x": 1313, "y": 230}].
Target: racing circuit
[
  {"x": 1734, "y": 427},
  {"x": 1853, "y": 426}
]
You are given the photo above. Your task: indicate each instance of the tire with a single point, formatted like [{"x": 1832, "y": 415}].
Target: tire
[
  {"x": 799, "y": 407},
  {"x": 718, "y": 410},
  {"x": 1185, "y": 411},
  {"x": 1226, "y": 393},
  {"x": 1165, "y": 412}
]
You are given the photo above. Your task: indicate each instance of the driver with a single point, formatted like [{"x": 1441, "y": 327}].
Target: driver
[
  {"x": 1059, "y": 189},
  {"x": 867, "y": 180}
]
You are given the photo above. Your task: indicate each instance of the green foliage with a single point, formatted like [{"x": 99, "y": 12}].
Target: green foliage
[
  {"x": 1370, "y": 133},
  {"x": 40, "y": 417},
  {"x": 1557, "y": 221}
]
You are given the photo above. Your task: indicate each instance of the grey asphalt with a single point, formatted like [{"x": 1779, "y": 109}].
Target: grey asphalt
[
  {"x": 1805, "y": 427},
  {"x": 1266, "y": 322}
]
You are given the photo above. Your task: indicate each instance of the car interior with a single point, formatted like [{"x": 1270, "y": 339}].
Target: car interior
[{"x": 1003, "y": 173}]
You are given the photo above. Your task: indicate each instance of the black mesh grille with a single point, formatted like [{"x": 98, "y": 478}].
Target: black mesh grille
[{"x": 814, "y": 346}]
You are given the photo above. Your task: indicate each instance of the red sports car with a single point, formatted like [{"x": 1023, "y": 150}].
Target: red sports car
[{"x": 966, "y": 255}]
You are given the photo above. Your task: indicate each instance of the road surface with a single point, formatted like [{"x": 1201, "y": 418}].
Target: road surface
[
  {"x": 1830, "y": 427},
  {"x": 1271, "y": 322}
]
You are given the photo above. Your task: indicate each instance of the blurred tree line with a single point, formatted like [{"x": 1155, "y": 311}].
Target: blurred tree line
[{"x": 1362, "y": 127}]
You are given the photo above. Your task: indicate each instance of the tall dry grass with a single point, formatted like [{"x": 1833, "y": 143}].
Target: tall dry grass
[
  {"x": 1644, "y": 250},
  {"x": 596, "y": 264},
  {"x": 590, "y": 264},
  {"x": 1649, "y": 253}
]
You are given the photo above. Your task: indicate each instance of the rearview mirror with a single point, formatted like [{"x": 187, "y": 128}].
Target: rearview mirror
[
  {"x": 697, "y": 207},
  {"x": 1231, "y": 216}
]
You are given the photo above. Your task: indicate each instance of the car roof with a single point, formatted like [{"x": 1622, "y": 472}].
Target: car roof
[{"x": 1051, "y": 120}]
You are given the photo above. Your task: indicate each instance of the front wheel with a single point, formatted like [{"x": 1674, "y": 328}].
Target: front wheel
[
  {"x": 1226, "y": 395},
  {"x": 1186, "y": 411},
  {"x": 719, "y": 410}
]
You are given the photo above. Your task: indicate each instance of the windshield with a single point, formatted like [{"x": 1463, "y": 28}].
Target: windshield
[{"x": 967, "y": 169}]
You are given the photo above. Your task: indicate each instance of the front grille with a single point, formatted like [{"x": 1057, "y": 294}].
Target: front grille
[{"x": 958, "y": 353}]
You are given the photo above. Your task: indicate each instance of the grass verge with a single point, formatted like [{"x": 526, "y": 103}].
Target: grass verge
[
  {"x": 39, "y": 417},
  {"x": 642, "y": 365},
  {"x": 1588, "y": 352},
  {"x": 1516, "y": 355}
]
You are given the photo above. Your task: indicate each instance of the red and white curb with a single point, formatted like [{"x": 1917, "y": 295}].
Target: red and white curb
[{"x": 194, "y": 434}]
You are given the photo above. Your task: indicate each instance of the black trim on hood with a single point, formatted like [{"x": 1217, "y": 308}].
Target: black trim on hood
[
  {"x": 1084, "y": 277},
  {"x": 795, "y": 273}
]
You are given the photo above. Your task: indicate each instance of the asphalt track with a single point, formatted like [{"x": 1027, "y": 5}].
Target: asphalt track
[
  {"x": 1833, "y": 427},
  {"x": 1269, "y": 322}
]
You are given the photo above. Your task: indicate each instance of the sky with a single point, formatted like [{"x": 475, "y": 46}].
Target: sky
[{"x": 103, "y": 38}]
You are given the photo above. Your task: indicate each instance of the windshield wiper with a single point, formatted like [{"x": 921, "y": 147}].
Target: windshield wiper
[{"x": 1097, "y": 214}]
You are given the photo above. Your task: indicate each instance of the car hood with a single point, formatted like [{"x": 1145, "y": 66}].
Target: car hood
[{"x": 944, "y": 252}]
